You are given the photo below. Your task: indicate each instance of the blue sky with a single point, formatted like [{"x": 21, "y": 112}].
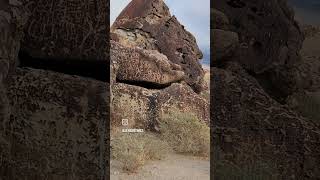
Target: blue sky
[{"x": 193, "y": 14}]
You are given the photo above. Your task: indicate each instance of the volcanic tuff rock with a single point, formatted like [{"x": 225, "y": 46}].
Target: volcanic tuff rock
[
  {"x": 155, "y": 67},
  {"x": 219, "y": 20},
  {"x": 140, "y": 66},
  {"x": 52, "y": 122},
  {"x": 250, "y": 126},
  {"x": 56, "y": 122},
  {"x": 144, "y": 107},
  {"x": 270, "y": 40},
  {"x": 225, "y": 44},
  {"x": 67, "y": 29},
  {"x": 149, "y": 25}
]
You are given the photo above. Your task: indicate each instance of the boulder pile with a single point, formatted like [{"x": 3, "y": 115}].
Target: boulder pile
[
  {"x": 155, "y": 66},
  {"x": 257, "y": 69}
]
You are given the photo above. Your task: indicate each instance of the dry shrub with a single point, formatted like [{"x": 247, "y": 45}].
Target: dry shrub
[
  {"x": 185, "y": 133},
  {"x": 134, "y": 149}
]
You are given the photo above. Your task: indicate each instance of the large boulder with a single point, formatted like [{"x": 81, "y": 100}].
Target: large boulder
[
  {"x": 67, "y": 29},
  {"x": 224, "y": 45},
  {"x": 264, "y": 29},
  {"x": 144, "y": 107},
  {"x": 140, "y": 66},
  {"x": 219, "y": 20},
  {"x": 56, "y": 127},
  {"x": 270, "y": 40},
  {"x": 250, "y": 127},
  {"x": 148, "y": 24},
  {"x": 53, "y": 125}
]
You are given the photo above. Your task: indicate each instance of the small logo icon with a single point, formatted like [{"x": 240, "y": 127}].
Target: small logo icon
[{"x": 125, "y": 122}]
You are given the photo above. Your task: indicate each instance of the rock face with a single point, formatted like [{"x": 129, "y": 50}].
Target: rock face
[
  {"x": 144, "y": 107},
  {"x": 225, "y": 44},
  {"x": 249, "y": 124},
  {"x": 272, "y": 29},
  {"x": 54, "y": 129},
  {"x": 219, "y": 20},
  {"x": 149, "y": 25},
  {"x": 67, "y": 29},
  {"x": 155, "y": 67},
  {"x": 270, "y": 40},
  {"x": 53, "y": 125},
  {"x": 144, "y": 66}
]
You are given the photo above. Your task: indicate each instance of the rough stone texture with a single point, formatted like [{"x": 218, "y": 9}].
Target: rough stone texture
[
  {"x": 306, "y": 103},
  {"x": 67, "y": 29},
  {"x": 144, "y": 66},
  {"x": 249, "y": 125},
  {"x": 144, "y": 107},
  {"x": 270, "y": 40},
  {"x": 51, "y": 124},
  {"x": 12, "y": 18},
  {"x": 219, "y": 20},
  {"x": 264, "y": 28},
  {"x": 224, "y": 44},
  {"x": 149, "y": 25},
  {"x": 56, "y": 127}
]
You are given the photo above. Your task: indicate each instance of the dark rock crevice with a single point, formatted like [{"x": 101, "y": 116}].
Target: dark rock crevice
[
  {"x": 269, "y": 87},
  {"x": 145, "y": 84},
  {"x": 98, "y": 70}
]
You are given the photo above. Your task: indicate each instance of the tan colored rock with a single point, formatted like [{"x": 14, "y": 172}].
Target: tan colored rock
[
  {"x": 149, "y": 25},
  {"x": 143, "y": 107},
  {"x": 137, "y": 65}
]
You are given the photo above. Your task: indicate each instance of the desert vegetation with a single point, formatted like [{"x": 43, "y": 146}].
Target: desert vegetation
[
  {"x": 185, "y": 133},
  {"x": 179, "y": 132},
  {"x": 133, "y": 150}
]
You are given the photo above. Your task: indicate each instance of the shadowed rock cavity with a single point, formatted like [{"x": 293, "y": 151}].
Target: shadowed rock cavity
[{"x": 98, "y": 70}]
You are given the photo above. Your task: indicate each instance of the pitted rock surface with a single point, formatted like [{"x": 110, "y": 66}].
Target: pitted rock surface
[
  {"x": 51, "y": 124},
  {"x": 219, "y": 20},
  {"x": 149, "y": 25},
  {"x": 270, "y": 40},
  {"x": 137, "y": 65},
  {"x": 55, "y": 127},
  {"x": 264, "y": 28},
  {"x": 144, "y": 107},
  {"x": 248, "y": 124},
  {"x": 67, "y": 29},
  {"x": 224, "y": 45}
]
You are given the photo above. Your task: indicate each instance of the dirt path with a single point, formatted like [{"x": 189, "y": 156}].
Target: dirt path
[{"x": 174, "y": 167}]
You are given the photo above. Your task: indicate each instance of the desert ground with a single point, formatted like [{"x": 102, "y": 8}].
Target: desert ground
[{"x": 174, "y": 167}]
